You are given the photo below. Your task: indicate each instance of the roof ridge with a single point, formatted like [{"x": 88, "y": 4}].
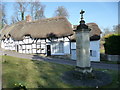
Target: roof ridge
[{"x": 48, "y": 19}]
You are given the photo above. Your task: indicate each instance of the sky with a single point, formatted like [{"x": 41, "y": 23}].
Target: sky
[{"x": 105, "y": 14}]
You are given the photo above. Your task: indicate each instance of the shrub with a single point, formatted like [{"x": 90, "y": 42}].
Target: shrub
[{"x": 112, "y": 45}]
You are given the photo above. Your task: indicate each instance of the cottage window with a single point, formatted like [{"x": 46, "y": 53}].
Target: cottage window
[
  {"x": 61, "y": 47},
  {"x": 58, "y": 47},
  {"x": 92, "y": 53}
]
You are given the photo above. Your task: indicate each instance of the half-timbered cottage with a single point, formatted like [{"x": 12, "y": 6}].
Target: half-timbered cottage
[
  {"x": 48, "y": 36},
  {"x": 52, "y": 36}
]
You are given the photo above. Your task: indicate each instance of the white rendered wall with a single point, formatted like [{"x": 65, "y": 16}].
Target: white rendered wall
[
  {"x": 94, "y": 46},
  {"x": 8, "y": 44},
  {"x": 11, "y": 44},
  {"x": 73, "y": 45},
  {"x": 2, "y": 44},
  {"x": 66, "y": 47}
]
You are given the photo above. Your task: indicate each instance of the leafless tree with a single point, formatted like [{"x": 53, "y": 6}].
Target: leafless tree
[
  {"x": 106, "y": 31},
  {"x": 13, "y": 20},
  {"x": 37, "y": 10},
  {"x": 21, "y": 8},
  {"x": 116, "y": 29},
  {"x": 40, "y": 13},
  {"x": 61, "y": 11},
  {"x": 0, "y": 12},
  {"x": 2, "y": 15}
]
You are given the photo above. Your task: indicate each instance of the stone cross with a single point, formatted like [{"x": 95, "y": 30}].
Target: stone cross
[
  {"x": 83, "y": 47},
  {"x": 82, "y": 14}
]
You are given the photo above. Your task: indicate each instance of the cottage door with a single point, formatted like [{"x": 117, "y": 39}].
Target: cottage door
[
  {"x": 48, "y": 50},
  {"x": 17, "y": 48}
]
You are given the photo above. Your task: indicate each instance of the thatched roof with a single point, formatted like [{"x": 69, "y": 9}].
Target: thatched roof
[
  {"x": 59, "y": 26},
  {"x": 95, "y": 30},
  {"x": 4, "y": 31},
  {"x": 94, "y": 33}
]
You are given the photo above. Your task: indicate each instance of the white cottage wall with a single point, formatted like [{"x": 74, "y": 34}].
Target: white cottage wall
[
  {"x": 94, "y": 50},
  {"x": 11, "y": 44},
  {"x": 66, "y": 47},
  {"x": 2, "y": 44},
  {"x": 29, "y": 45},
  {"x": 8, "y": 44}
]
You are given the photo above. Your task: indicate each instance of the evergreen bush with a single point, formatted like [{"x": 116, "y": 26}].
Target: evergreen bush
[{"x": 112, "y": 44}]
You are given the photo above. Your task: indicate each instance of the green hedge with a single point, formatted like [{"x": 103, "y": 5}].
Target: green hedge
[{"x": 112, "y": 45}]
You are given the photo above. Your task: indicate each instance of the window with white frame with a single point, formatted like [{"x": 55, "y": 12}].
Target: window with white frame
[
  {"x": 93, "y": 53},
  {"x": 58, "y": 47}
]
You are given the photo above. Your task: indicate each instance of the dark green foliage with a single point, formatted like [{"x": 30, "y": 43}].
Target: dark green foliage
[{"x": 112, "y": 45}]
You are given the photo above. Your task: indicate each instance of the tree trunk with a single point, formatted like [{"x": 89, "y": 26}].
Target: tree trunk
[{"x": 22, "y": 15}]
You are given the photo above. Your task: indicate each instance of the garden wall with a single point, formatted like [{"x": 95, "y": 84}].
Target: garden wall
[{"x": 110, "y": 57}]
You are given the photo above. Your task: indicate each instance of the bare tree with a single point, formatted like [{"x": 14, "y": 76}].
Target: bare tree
[
  {"x": 40, "y": 13},
  {"x": 0, "y": 12},
  {"x": 116, "y": 29},
  {"x": 2, "y": 15},
  {"x": 15, "y": 18},
  {"x": 32, "y": 5},
  {"x": 37, "y": 10},
  {"x": 21, "y": 8},
  {"x": 61, "y": 11},
  {"x": 106, "y": 31}
]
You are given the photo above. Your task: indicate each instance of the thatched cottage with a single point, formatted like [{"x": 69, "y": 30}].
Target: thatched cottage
[{"x": 52, "y": 36}]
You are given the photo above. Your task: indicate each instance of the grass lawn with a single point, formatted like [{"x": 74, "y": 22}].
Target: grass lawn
[{"x": 34, "y": 74}]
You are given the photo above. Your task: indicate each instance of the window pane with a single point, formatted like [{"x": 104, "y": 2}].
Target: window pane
[
  {"x": 92, "y": 53},
  {"x": 57, "y": 47}
]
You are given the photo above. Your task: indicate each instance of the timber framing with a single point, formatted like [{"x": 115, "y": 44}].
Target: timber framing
[{"x": 37, "y": 45}]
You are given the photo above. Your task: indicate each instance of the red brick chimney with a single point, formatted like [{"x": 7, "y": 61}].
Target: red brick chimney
[{"x": 28, "y": 18}]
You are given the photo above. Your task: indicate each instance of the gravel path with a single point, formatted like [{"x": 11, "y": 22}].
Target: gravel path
[{"x": 60, "y": 61}]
